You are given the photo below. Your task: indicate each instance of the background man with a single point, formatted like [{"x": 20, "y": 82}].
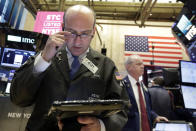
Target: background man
[
  {"x": 141, "y": 116},
  {"x": 60, "y": 73}
]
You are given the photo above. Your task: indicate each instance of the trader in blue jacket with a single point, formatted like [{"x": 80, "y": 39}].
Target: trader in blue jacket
[{"x": 141, "y": 116}]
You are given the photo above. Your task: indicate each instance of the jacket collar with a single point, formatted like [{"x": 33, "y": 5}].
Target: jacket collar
[
  {"x": 62, "y": 63},
  {"x": 130, "y": 90}
]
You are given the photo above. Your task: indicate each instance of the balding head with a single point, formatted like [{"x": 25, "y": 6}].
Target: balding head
[
  {"x": 82, "y": 12},
  {"x": 79, "y": 22}
]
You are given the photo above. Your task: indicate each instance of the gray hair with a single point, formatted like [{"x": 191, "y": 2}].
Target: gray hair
[{"x": 130, "y": 59}]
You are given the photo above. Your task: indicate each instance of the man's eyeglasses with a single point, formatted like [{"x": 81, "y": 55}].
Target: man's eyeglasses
[{"x": 82, "y": 36}]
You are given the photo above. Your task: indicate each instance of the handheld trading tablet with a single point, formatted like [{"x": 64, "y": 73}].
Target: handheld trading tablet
[{"x": 98, "y": 108}]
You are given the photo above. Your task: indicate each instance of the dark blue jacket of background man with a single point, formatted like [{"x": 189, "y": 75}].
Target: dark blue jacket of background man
[{"x": 133, "y": 116}]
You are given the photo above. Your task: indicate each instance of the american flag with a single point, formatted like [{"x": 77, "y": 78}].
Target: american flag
[
  {"x": 154, "y": 50},
  {"x": 118, "y": 75}
]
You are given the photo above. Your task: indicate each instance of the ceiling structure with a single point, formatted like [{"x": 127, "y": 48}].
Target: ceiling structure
[{"x": 146, "y": 10}]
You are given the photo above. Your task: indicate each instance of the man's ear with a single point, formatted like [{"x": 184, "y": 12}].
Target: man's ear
[
  {"x": 126, "y": 66},
  {"x": 94, "y": 30}
]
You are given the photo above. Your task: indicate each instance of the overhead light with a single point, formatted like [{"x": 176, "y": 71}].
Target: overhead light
[
  {"x": 173, "y": 17},
  {"x": 182, "y": 1}
]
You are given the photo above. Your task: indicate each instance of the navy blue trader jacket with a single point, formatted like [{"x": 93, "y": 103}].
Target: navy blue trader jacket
[{"x": 133, "y": 123}]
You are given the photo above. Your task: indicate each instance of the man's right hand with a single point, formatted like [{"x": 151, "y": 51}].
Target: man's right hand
[{"x": 53, "y": 44}]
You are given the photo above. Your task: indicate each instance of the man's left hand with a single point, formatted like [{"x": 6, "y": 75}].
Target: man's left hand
[
  {"x": 161, "y": 118},
  {"x": 91, "y": 123}
]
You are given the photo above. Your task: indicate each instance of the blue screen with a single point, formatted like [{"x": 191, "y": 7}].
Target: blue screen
[
  {"x": 185, "y": 29},
  {"x": 15, "y": 57},
  {"x": 192, "y": 51},
  {"x": 184, "y": 24},
  {"x": 6, "y": 75},
  {"x": 189, "y": 93},
  {"x": 188, "y": 72}
]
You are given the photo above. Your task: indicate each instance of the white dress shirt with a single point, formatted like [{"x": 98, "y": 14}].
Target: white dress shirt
[{"x": 40, "y": 65}]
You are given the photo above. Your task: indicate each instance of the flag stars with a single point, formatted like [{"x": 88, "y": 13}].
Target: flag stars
[{"x": 136, "y": 43}]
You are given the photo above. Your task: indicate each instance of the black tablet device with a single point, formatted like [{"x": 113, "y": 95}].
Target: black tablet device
[
  {"x": 98, "y": 108},
  {"x": 173, "y": 126}
]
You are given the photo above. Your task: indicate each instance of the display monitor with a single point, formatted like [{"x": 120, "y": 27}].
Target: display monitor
[
  {"x": 4, "y": 74},
  {"x": 15, "y": 57},
  {"x": 189, "y": 93},
  {"x": 7, "y": 90},
  {"x": 188, "y": 72},
  {"x": 170, "y": 76},
  {"x": 192, "y": 51},
  {"x": 184, "y": 24},
  {"x": 20, "y": 39},
  {"x": 185, "y": 29},
  {"x": 11, "y": 75}
]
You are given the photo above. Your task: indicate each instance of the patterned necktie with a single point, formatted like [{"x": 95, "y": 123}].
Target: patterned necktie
[
  {"x": 74, "y": 66},
  {"x": 144, "y": 118}
]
